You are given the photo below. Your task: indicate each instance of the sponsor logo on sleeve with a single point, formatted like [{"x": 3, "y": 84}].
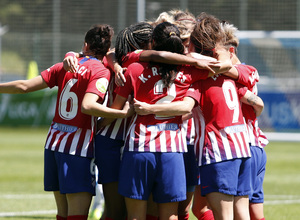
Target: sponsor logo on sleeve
[{"x": 102, "y": 85}]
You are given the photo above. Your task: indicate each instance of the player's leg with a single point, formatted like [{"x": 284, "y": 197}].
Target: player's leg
[
  {"x": 79, "y": 203},
  {"x": 152, "y": 209},
  {"x": 61, "y": 204},
  {"x": 220, "y": 183},
  {"x": 256, "y": 211},
  {"x": 108, "y": 154},
  {"x": 241, "y": 200},
  {"x": 168, "y": 211},
  {"x": 221, "y": 205},
  {"x": 51, "y": 183},
  {"x": 136, "y": 209},
  {"x": 114, "y": 202},
  {"x": 185, "y": 206},
  {"x": 137, "y": 176},
  {"x": 77, "y": 181},
  {"x": 170, "y": 186},
  {"x": 241, "y": 212},
  {"x": 200, "y": 206},
  {"x": 192, "y": 179},
  {"x": 258, "y": 169}
]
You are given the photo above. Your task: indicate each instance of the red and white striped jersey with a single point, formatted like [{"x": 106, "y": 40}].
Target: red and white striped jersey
[
  {"x": 248, "y": 76},
  {"x": 117, "y": 129},
  {"x": 220, "y": 129},
  {"x": 155, "y": 133},
  {"x": 71, "y": 131},
  {"x": 188, "y": 127}
]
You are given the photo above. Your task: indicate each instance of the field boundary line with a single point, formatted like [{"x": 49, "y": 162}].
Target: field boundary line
[{"x": 26, "y": 213}]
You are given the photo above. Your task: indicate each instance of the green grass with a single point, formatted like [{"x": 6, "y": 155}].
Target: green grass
[{"x": 21, "y": 177}]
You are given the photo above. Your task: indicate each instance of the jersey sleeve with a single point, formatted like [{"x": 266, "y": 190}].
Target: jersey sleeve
[
  {"x": 196, "y": 74},
  {"x": 248, "y": 75},
  {"x": 194, "y": 92},
  {"x": 99, "y": 81},
  {"x": 50, "y": 75},
  {"x": 127, "y": 89},
  {"x": 132, "y": 57}
]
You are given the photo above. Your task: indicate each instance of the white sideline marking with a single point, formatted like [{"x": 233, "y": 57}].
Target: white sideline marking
[{"x": 42, "y": 212}]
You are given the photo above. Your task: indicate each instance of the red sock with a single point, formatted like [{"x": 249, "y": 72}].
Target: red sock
[
  {"x": 60, "y": 218},
  {"x": 151, "y": 217},
  {"x": 262, "y": 219},
  {"x": 77, "y": 217},
  {"x": 184, "y": 217},
  {"x": 208, "y": 215}
]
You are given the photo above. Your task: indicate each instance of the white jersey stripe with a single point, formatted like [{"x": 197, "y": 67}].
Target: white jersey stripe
[
  {"x": 86, "y": 143},
  {"x": 56, "y": 140},
  {"x": 116, "y": 128},
  {"x": 142, "y": 138},
  {"x": 207, "y": 156},
  {"x": 131, "y": 138},
  {"x": 63, "y": 143},
  {"x": 103, "y": 133},
  {"x": 152, "y": 145},
  {"x": 226, "y": 144},
  {"x": 162, "y": 139},
  {"x": 173, "y": 143},
  {"x": 242, "y": 144},
  {"x": 75, "y": 141},
  {"x": 215, "y": 147},
  {"x": 236, "y": 145}
]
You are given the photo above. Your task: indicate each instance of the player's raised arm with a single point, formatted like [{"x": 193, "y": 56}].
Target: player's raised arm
[{"x": 23, "y": 86}]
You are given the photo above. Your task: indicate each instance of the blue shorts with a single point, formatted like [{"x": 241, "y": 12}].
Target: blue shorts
[
  {"x": 191, "y": 169},
  {"x": 108, "y": 158},
  {"x": 68, "y": 173},
  {"x": 161, "y": 174},
  {"x": 258, "y": 169},
  {"x": 230, "y": 177}
]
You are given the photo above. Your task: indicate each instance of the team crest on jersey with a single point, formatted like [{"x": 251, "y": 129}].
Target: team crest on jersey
[{"x": 102, "y": 84}]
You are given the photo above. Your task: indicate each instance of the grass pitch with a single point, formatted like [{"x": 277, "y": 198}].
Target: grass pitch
[{"x": 21, "y": 177}]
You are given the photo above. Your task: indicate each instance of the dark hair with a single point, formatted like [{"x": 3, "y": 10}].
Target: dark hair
[
  {"x": 99, "y": 39},
  {"x": 166, "y": 37},
  {"x": 136, "y": 36},
  {"x": 207, "y": 33}
]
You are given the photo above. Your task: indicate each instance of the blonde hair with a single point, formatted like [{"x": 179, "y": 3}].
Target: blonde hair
[
  {"x": 230, "y": 32},
  {"x": 184, "y": 20}
]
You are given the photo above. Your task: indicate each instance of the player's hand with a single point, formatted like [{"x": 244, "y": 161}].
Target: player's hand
[
  {"x": 209, "y": 65},
  {"x": 119, "y": 75},
  {"x": 70, "y": 64},
  {"x": 205, "y": 62},
  {"x": 142, "y": 108}
]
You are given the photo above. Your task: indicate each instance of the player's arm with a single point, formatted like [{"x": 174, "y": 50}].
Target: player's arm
[
  {"x": 90, "y": 106},
  {"x": 118, "y": 69},
  {"x": 255, "y": 101},
  {"x": 169, "y": 109},
  {"x": 23, "y": 86},
  {"x": 179, "y": 59},
  {"x": 119, "y": 103}
]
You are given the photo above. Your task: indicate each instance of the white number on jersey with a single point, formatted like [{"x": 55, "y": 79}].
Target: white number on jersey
[
  {"x": 171, "y": 94},
  {"x": 68, "y": 112},
  {"x": 231, "y": 98}
]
